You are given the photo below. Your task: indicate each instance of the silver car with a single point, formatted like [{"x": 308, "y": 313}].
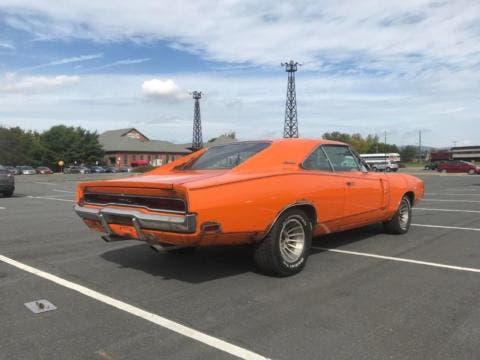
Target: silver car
[
  {"x": 7, "y": 182},
  {"x": 26, "y": 170}
]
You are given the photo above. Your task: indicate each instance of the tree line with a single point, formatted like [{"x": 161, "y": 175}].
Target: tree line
[
  {"x": 75, "y": 144},
  {"x": 47, "y": 148},
  {"x": 371, "y": 144}
]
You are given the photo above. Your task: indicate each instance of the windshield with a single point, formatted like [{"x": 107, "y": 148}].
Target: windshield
[{"x": 226, "y": 156}]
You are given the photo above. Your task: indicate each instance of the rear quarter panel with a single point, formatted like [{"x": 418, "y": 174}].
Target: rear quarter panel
[
  {"x": 252, "y": 205},
  {"x": 400, "y": 184}
]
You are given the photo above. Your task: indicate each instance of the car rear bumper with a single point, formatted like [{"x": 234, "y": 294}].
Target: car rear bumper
[
  {"x": 7, "y": 187},
  {"x": 106, "y": 216}
]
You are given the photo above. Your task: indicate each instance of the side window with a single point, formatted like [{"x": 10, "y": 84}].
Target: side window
[
  {"x": 341, "y": 158},
  {"x": 317, "y": 161}
]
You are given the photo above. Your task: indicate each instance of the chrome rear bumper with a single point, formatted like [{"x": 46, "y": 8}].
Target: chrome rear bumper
[{"x": 171, "y": 223}]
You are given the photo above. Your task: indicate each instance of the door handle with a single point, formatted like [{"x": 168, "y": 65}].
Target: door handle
[{"x": 350, "y": 183}]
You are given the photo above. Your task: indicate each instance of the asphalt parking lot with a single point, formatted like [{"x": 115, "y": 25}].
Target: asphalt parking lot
[{"x": 363, "y": 295}]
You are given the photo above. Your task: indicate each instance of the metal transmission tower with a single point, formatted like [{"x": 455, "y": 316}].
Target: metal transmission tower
[
  {"x": 291, "y": 123},
  {"x": 197, "y": 142}
]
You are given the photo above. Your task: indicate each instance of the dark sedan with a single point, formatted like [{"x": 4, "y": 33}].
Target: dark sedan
[{"x": 7, "y": 182}]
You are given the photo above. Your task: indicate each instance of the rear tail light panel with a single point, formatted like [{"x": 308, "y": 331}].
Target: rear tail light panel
[{"x": 154, "y": 203}]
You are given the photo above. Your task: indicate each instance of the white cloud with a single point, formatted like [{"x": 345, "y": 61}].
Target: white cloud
[
  {"x": 395, "y": 36},
  {"x": 6, "y": 45},
  {"x": 254, "y": 107},
  {"x": 28, "y": 84},
  {"x": 119, "y": 63},
  {"x": 369, "y": 65},
  {"x": 63, "y": 61},
  {"x": 162, "y": 89}
]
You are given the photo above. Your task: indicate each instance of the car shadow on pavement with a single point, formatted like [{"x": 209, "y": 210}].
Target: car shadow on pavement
[
  {"x": 199, "y": 265},
  {"x": 340, "y": 239}
]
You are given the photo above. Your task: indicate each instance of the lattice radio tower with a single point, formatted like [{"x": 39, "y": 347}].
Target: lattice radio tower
[
  {"x": 291, "y": 123},
  {"x": 197, "y": 142}
]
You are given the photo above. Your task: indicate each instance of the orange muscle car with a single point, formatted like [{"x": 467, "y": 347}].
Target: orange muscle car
[{"x": 275, "y": 194}]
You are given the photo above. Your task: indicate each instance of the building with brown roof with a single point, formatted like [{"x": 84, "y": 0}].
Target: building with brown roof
[{"x": 125, "y": 147}]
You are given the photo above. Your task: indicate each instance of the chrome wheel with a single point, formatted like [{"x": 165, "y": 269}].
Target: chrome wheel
[
  {"x": 404, "y": 213},
  {"x": 292, "y": 239}
]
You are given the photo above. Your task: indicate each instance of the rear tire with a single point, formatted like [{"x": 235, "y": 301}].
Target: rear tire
[
  {"x": 285, "y": 249},
  {"x": 400, "y": 223},
  {"x": 8, "y": 193}
]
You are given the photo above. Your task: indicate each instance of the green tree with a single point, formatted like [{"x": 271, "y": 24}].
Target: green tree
[
  {"x": 19, "y": 147},
  {"x": 408, "y": 153},
  {"x": 70, "y": 145},
  {"x": 363, "y": 145}
]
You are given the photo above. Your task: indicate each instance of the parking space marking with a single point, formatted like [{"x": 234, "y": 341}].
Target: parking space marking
[
  {"x": 451, "y": 200},
  {"x": 133, "y": 310},
  {"x": 394, "y": 258},
  {"x": 447, "y": 227},
  {"x": 49, "y": 198},
  {"x": 447, "y": 210},
  {"x": 452, "y": 194},
  {"x": 2, "y": 208},
  {"x": 64, "y": 191},
  {"x": 58, "y": 196},
  {"x": 45, "y": 183}
]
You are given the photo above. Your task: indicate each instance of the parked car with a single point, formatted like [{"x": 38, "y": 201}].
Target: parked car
[
  {"x": 111, "y": 169},
  {"x": 274, "y": 194},
  {"x": 76, "y": 170},
  {"x": 43, "y": 170},
  {"x": 25, "y": 170},
  {"x": 458, "y": 166},
  {"x": 432, "y": 165},
  {"x": 12, "y": 169},
  {"x": 97, "y": 169},
  {"x": 7, "y": 182},
  {"x": 126, "y": 169}
]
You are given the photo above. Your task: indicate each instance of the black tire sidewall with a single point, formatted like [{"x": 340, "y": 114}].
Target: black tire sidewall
[
  {"x": 403, "y": 231},
  {"x": 285, "y": 267}
]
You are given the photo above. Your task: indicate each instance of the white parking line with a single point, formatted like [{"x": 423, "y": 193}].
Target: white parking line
[
  {"x": 393, "y": 258},
  {"x": 64, "y": 191},
  {"x": 48, "y": 198},
  {"x": 44, "y": 183},
  {"x": 133, "y": 310},
  {"x": 447, "y": 210},
  {"x": 2, "y": 208},
  {"x": 447, "y": 227},
  {"x": 451, "y": 200},
  {"x": 452, "y": 194}
]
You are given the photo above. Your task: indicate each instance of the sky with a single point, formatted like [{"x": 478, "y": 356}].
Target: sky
[{"x": 367, "y": 67}]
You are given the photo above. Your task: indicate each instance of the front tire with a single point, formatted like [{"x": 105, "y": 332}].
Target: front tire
[
  {"x": 285, "y": 249},
  {"x": 400, "y": 223},
  {"x": 471, "y": 172}
]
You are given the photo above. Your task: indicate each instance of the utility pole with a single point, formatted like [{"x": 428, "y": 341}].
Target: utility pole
[
  {"x": 197, "y": 142},
  {"x": 419, "y": 145},
  {"x": 290, "y": 129},
  {"x": 385, "y": 149}
]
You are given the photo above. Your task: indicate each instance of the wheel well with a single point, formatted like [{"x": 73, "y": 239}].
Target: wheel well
[
  {"x": 411, "y": 196},
  {"x": 311, "y": 213},
  {"x": 307, "y": 208}
]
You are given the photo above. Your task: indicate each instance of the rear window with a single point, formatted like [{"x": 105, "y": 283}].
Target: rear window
[{"x": 226, "y": 156}]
